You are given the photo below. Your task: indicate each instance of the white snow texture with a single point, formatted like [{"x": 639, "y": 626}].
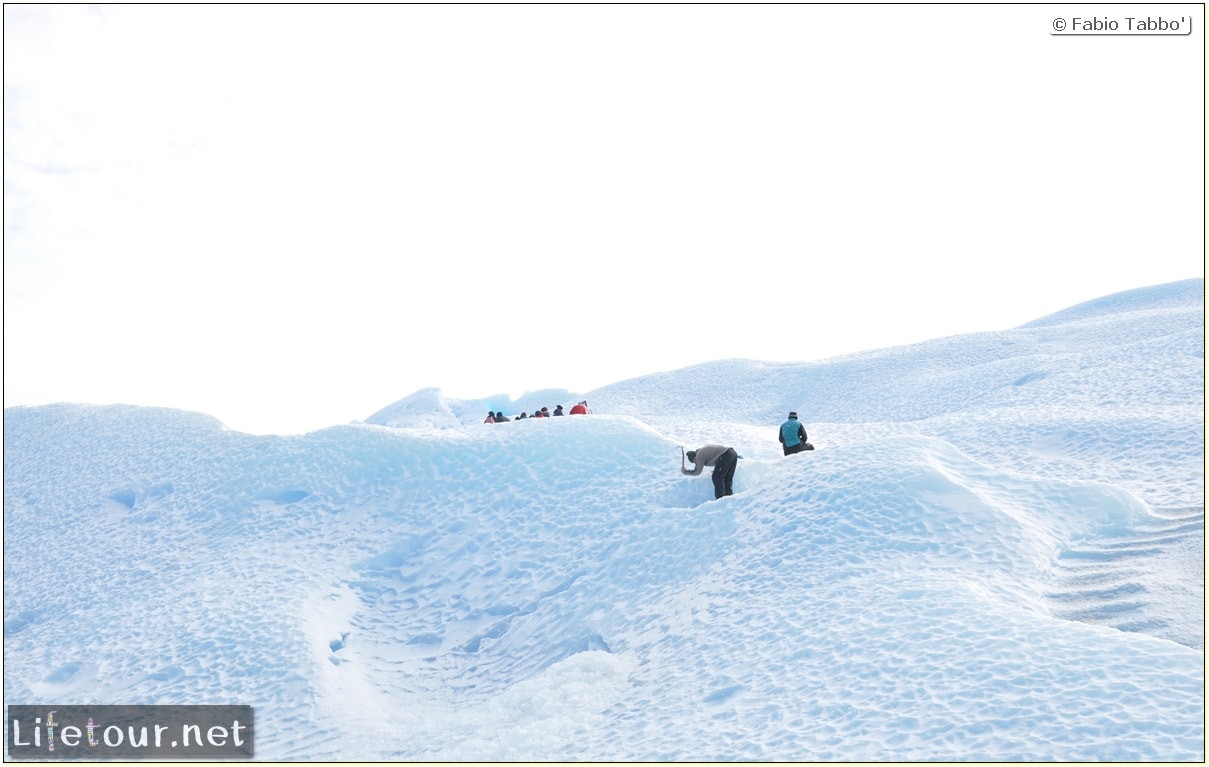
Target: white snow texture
[{"x": 996, "y": 552}]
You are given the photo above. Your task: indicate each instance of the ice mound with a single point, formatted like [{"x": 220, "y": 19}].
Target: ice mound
[{"x": 995, "y": 553}]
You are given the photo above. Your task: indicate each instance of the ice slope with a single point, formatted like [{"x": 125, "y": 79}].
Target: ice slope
[{"x": 996, "y": 553}]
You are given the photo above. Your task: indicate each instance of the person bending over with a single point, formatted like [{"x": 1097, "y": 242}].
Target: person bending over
[{"x": 723, "y": 459}]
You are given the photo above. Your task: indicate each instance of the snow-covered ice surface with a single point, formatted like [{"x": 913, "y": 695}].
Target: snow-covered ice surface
[{"x": 995, "y": 553}]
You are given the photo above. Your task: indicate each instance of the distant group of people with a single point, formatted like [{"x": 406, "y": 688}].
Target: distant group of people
[
  {"x": 579, "y": 408},
  {"x": 792, "y": 436}
]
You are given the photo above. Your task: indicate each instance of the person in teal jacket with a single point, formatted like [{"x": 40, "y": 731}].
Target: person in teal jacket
[{"x": 793, "y": 436}]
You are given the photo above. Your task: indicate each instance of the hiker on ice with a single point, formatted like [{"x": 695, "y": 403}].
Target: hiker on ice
[
  {"x": 723, "y": 459},
  {"x": 793, "y": 436}
]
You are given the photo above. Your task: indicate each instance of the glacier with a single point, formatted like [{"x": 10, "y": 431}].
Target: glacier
[{"x": 995, "y": 553}]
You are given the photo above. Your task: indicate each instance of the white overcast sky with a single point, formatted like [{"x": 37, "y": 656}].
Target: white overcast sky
[{"x": 291, "y": 216}]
